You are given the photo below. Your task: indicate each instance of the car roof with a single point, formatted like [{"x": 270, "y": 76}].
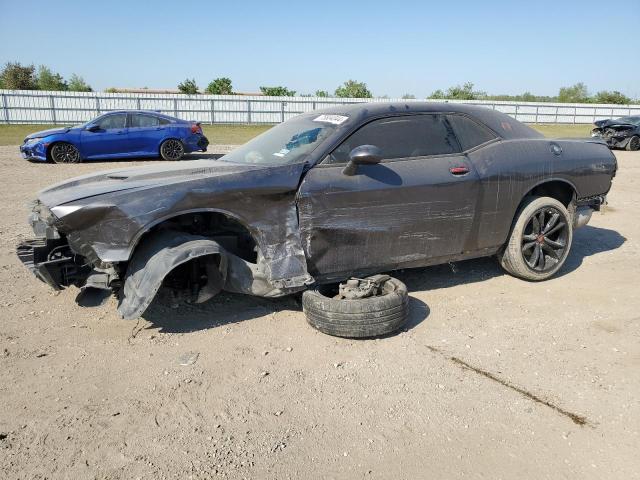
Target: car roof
[
  {"x": 504, "y": 125},
  {"x": 147, "y": 112}
]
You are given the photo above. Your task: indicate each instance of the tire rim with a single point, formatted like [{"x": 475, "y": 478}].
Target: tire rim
[
  {"x": 544, "y": 241},
  {"x": 65, "y": 153},
  {"x": 172, "y": 149},
  {"x": 635, "y": 143}
]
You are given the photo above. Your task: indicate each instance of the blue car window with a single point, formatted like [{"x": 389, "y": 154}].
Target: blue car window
[
  {"x": 142, "y": 121},
  {"x": 113, "y": 121}
]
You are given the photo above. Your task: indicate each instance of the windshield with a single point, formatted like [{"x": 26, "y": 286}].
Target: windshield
[
  {"x": 288, "y": 142},
  {"x": 634, "y": 120}
]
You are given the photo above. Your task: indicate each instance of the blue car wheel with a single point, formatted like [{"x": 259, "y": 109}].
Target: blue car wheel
[
  {"x": 63, "y": 152},
  {"x": 172, "y": 149}
]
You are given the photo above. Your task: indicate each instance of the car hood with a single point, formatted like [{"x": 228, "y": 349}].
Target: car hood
[
  {"x": 613, "y": 123},
  {"x": 225, "y": 175},
  {"x": 46, "y": 133}
]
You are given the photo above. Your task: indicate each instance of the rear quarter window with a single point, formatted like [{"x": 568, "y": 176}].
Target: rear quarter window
[{"x": 469, "y": 132}]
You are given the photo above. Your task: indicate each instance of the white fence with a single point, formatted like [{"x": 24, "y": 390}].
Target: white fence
[{"x": 26, "y": 106}]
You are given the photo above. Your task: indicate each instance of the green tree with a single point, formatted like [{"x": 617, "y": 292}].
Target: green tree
[
  {"x": 277, "y": 92},
  {"x": 459, "y": 92},
  {"x": 77, "y": 84},
  {"x": 577, "y": 93},
  {"x": 188, "y": 86},
  {"x": 15, "y": 76},
  {"x": 322, "y": 93},
  {"x": 220, "y": 86},
  {"x": 353, "y": 89},
  {"x": 611, "y": 97},
  {"x": 408, "y": 96},
  {"x": 47, "y": 80}
]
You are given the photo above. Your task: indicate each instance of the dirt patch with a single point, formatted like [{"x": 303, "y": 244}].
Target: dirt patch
[{"x": 242, "y": 387}]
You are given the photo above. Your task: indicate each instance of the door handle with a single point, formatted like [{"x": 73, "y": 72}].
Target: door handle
[{"x": 458, "y": 171}]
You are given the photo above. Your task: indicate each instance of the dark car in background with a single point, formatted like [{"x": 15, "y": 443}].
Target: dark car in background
[
  {"x": 623, "y": 132},
  {"x": 118, "y": 134}
]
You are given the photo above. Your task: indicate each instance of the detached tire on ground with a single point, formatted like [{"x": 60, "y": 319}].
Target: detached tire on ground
[
  {"x": 361, "y": 318},
  {"x": 633, "y": 145}
]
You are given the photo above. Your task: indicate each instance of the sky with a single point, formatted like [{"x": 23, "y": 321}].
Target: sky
[{"x": 395, "y": 47}]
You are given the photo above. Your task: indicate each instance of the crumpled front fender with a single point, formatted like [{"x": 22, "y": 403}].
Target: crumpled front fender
[{"x": 155, "y": 259}]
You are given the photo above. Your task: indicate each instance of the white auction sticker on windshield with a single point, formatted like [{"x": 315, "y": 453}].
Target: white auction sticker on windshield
[
  {"x": 281, "y": 153},
  {"x": 335, "y": 119}
]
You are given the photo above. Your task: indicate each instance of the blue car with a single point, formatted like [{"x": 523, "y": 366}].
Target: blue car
[{"x": 122, "y": 134}]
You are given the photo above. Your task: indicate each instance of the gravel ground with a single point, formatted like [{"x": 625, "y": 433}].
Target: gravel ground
[{"x": 493, "y": 378}]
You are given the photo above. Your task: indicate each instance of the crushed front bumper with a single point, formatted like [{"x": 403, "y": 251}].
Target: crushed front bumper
[
  {"x": 613, "y": 141},
  {"x": 52, "y": 262},
  {"x": 35, "y": 151}
]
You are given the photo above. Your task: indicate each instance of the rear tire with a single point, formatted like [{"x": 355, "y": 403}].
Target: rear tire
[
  {"x": 540, "y": 240},
  {"x": 63, "y": 152},
  {"x": 172, "y": 150},
  {"x": 361, "y": 318},
  {"x": 633, "y": 144}
]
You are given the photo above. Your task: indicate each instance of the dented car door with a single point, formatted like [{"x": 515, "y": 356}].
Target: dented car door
[{"x": 415, "y": 206}]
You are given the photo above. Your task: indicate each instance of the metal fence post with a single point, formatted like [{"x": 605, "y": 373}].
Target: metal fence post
[
  {"x": 138, "y": 103},
  {"x": 516, "y": 114},
  {"x": 537, "y": 107},
  {"x": 175, "y": 107},
  {"x": 5, "y": 108},
  {"x": 53, "y": 109},
  {"x": 98, "y": 104},
  {"x": 313, "y": 106},
  {"x": 213, "y": 112},
  {"x": 282, "y": 104},
  {"x": 248, "y": 111}
]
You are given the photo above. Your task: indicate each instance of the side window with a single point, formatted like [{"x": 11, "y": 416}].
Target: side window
[
  {"x": 164, "y": 121},
  {"x": 113, "y": 121},
  {"x": 469, "y": 132},
  {"x": 143, "y": 121},
  {"x": 401, "y": 137}
]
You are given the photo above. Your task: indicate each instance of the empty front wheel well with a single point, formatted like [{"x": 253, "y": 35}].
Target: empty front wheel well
[{"x": 227, "y": 231}]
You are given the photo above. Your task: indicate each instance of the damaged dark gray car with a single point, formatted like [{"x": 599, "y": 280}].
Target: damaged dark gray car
[
  {"x": 623, "y": 132},
  {"x": 328, "y": 195}
]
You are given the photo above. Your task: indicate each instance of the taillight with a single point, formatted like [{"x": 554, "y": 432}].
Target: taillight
[{"x": 195, "y": 128}]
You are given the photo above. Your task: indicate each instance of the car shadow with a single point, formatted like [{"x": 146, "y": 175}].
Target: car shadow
[
  {"x": 228, "y": 308},
  {"x": 587, "y": 241}
]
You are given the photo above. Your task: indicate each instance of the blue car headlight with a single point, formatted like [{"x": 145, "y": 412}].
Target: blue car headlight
[{"x": 32, "y": 141}]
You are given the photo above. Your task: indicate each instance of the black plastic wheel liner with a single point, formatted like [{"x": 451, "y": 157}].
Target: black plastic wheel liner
[{"x": 155, "y": 259}]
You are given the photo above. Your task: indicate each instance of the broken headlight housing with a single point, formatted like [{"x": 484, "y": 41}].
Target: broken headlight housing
[{"x": 41, "y": 220}]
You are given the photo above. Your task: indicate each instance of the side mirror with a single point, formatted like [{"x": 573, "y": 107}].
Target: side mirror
[
  {"x": 93, "y": 128},
  {"x": 362, "y": 155}
]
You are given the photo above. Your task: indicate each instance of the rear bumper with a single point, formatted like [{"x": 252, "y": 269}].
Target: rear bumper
[{"x": 196, "y": 142}]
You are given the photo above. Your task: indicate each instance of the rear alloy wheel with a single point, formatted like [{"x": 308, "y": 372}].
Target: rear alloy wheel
[
  {"x": 633, "y": 144},
  {"x": 172, "y": 150},
  {"x": 540, "y": 240},
  {"x": 65, "y": 153}
]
